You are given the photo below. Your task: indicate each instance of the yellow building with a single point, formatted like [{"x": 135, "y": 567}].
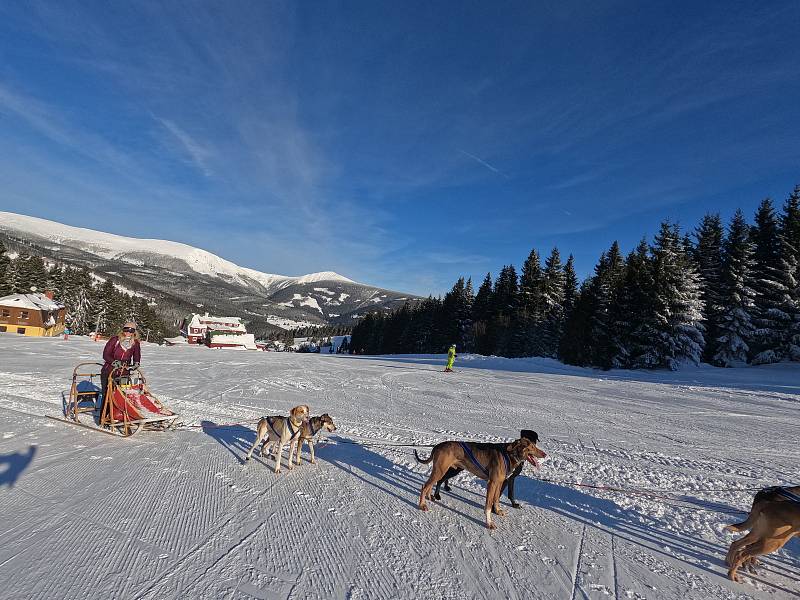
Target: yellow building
[{"x": 31, "y": 314}]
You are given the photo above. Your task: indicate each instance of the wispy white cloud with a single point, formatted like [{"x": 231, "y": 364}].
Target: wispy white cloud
[
  {"x": 480, "y": 161},
  {"x": 199, "y": 153}
]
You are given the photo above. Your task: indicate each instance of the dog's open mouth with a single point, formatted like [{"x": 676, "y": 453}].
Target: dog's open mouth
[{"x": 533, "y": 461}]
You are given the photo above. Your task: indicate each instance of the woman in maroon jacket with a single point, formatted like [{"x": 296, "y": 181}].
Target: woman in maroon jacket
[{"x": 123, "y": 348}]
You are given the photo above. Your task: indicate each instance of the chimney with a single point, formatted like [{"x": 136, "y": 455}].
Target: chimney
[{"x": 49, "y": 294}]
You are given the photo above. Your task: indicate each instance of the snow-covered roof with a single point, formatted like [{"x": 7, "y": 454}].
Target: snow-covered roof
[{"x": 30, "y": 301}]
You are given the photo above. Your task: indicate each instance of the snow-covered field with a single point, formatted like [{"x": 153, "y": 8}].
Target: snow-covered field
[{"x": 177, "y": 515}]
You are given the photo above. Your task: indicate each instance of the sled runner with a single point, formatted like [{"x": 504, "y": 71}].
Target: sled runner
[{"x": 128, "y": 407}]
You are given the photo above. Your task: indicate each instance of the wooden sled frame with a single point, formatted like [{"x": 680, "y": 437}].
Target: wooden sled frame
[{"x": 130, "y": 422}]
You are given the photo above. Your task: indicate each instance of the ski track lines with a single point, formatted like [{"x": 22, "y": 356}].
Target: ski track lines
[{"x": 177, "y": 514}]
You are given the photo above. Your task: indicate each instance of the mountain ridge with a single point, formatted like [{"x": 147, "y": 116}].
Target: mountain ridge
[{"x": 181, "y": 277}]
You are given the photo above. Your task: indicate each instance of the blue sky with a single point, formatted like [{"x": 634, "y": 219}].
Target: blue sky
[{"x": 401, "y": 144}]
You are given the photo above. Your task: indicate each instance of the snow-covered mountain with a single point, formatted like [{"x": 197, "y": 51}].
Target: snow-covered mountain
[{"x": 183, "y": 278}]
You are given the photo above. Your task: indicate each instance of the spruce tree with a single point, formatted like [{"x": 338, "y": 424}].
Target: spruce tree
[
  {"x": 774, "y": 285},
  {"x": 790, "y": 223},
  {"x": 570, "y": 286},
  {"x": 677, "y": 303},
  {"x": 736, "y": 324},
  {"x": 481, "y": 313},
  {"x": 505, "y": 302},
  {"x": 530, "y": 311},
  {"x": 633, "y": 325},
  {"x": 5, "y": 261},
  {"x": 603, "y": 290},
  {"x": 708, "y": 260},
  {"x": 553, "y": 292}
]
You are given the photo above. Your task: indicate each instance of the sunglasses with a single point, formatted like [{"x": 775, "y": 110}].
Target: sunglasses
[{"x": 129, "y": 329}]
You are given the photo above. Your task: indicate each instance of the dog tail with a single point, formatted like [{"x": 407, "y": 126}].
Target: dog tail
[
  {"x": 424, "y": 461},
  {"x": 749, "y": 521}
]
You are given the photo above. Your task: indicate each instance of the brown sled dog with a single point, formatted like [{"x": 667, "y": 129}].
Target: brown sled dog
[
  {"x": 280, "y": 430},
  {"x": 509, "y": 481},
  {"x": 311, "y": 428},
  {"x": 773, "y": 520},
  {"x": 482, "y": 460}
]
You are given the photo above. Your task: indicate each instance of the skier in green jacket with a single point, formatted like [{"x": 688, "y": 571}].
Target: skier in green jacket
[{"x": 451, "y": 358}]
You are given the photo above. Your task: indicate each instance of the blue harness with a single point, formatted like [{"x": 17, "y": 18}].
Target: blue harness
[
  {"x": 785, "y": 493},
  {"x": 503, "y": 453}
]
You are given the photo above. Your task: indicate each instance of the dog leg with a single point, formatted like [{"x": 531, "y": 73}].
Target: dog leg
[
  {"x": 748, "y": 554},
  {"x": 292, "y": 450},
  {"x": 436, "y": 474},
  {"x": 299, "y": 451},
  {"x": 266, "y": 446},
  {"x": 279, "y": 456},
  {"x": 311, "y": 451},
  {"x": 250, "y": 453},
  {"x": 492, "y": 492},
  {"x": 511, "y": 499},
  {"x": 738, "y": 545}
]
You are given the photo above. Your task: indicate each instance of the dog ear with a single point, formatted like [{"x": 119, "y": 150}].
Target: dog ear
[{"x": 517, "y": 447}]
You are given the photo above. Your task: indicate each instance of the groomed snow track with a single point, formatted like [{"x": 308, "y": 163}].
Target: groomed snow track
[{"x": 177, "y": 514}]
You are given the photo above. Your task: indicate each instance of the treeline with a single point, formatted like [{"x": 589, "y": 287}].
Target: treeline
[
  {"x": 726, "y": 296},
  {"x": 91, "y": 305},
  {"x": 313, "y": 332}
]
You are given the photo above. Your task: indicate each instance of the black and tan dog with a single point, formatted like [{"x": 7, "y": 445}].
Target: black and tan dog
[
  {"x": 525, "y": 433},
  {"x": 311, "y": 428},
  {"x": 774, "y": 519},
  {"x": 482, "y": 460}
]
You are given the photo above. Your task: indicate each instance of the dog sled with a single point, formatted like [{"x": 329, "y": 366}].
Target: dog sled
[{"x": 128, "y": 406}]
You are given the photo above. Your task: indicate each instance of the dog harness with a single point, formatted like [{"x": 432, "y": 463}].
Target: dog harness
[
  {"x": 503, "y": 453},
  {"x": 292, "y": 430},
  {"x": 785, "y": 493},
  {"x": 313, "y": 431}
]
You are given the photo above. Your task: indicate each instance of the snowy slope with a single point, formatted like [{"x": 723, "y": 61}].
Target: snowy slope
[{"x": 178, "y": 515}]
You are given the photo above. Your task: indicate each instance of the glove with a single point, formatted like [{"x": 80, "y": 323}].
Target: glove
[
  {"x": 133, "y": 366},
  {"x": 116, "y": 364}
]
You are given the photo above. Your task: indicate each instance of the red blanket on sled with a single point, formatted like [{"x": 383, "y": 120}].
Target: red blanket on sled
[{"x": 137, "y": 403}]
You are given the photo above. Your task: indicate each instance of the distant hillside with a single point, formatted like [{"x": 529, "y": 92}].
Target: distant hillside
[{"x": 182, "y": 278}]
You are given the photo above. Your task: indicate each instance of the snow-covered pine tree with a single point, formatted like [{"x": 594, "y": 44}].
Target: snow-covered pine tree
[
  {"x": 5, "y": 262},
  {"x": 677, "y": 303},
  {"x": 605, "y": 284},
  {"x": 465, "y": 318},
  {"x": 553, "y": 290},
  {"x": 505, "y": 301},
  {"x": 707, "y": 254},
  {"x": 790, "y": 222},
  {"x": 570, "y": 286},
  {"x": 774, "y": 284},
  {"x": 575, "y": 346},
  {"x": 736, "y": 324},
  {"x": 529, "y": 315},
  {"x": 790, "y": 230},
  {"x": 36, "y": 274},
  {"x": 632, "y": 317},
  {"x": 77, "y": 296},
  {"x": 481, "y": 309},
  {"x": 16, "y": 275}
]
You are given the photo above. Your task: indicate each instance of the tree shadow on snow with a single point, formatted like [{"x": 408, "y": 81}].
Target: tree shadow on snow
[
  {"x": 382, "y": 474},
  {"x": 778, "y": 378},
  {"x": 12, "y": 465},
  {"x": 638, "y": 528}
]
